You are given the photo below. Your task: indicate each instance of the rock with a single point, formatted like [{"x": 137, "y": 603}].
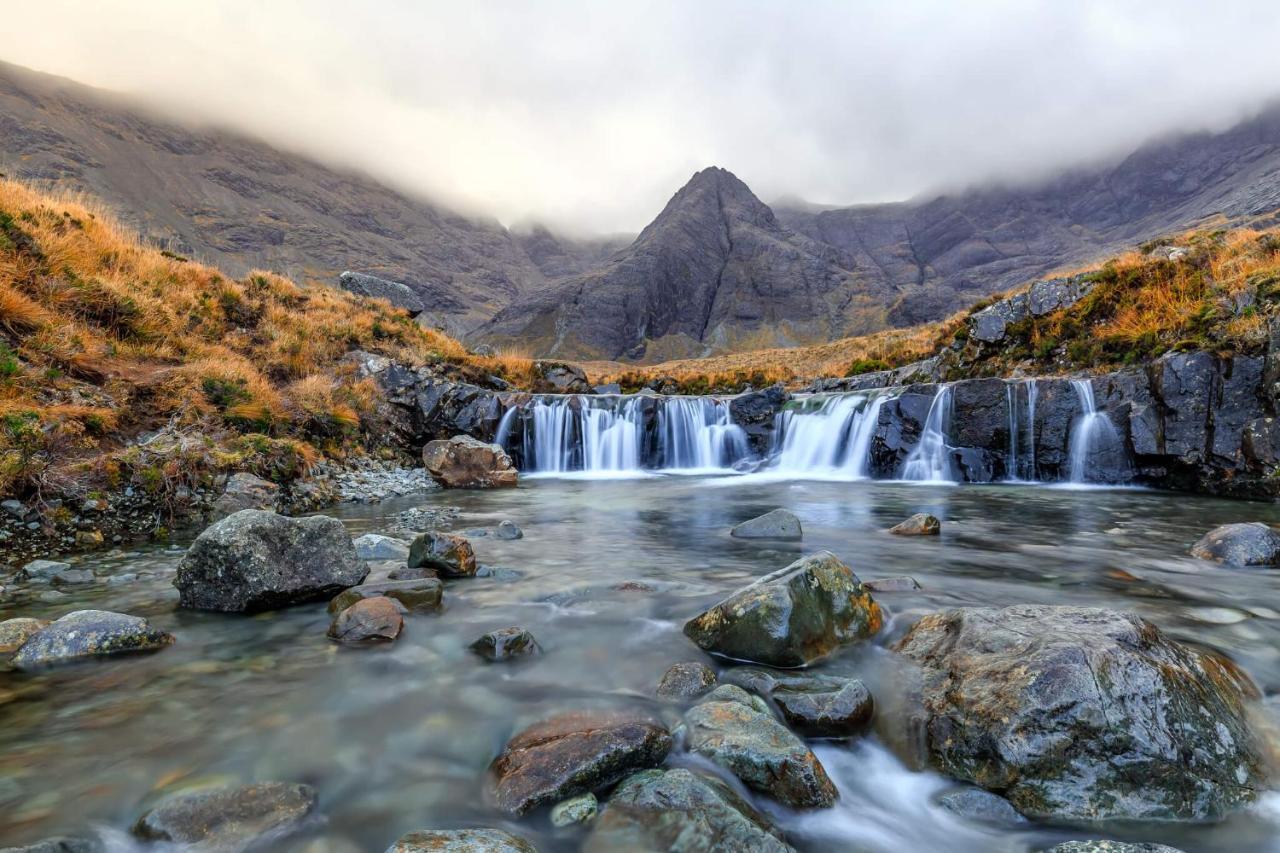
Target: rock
[
  {"x": 1246, "y": 544},
  {"x": 757, "y": 413},
  {"x": 990, "y": 325},
  {"x": 560, "y": 378},
  {"x": 461, "y": 841},
  {"x": 508, "y": 530},
  {"x": 505, "y": 644},
  {"x": 15, "y": 632},
  {"x": 580, "y": 809},
  {"x": 42, "y": 571},
  {"x": 246, "y": 491},
  {"x": 775, "y": 524},
  {"x": 752, "y": 745},
  {"x": 814, "y": 705},
  {"x": 463, "y": 462},
  {"x": 229, "y": 818},
  {"x": 683, "y": 811},
  {"x": 58, "y": 845},
  {"x": 370, "y": 620},
  {"x": 417, "y": 596},
  {"x": 255, "y": 560},
  {"x": 399, "y": 295},
  {"x": 1104, "y": 846},
  {"x": 89, "y": 633},
  {"x": 1079, "y": 714},
  {"x": 71, "y": 577},
  {"x": 373, "y": 546},
  {"x": 89, "y": 538},
  {"x": 687, "y": 680},
  {"x": 791, "y": 617},
  {"x": 981, "y": 806},
  {"x": 920, "y": 524},
  {"x": 896, "y": 583},
  {"x": 607, "y": 388},
  {"x": 447, "y": 553},
  {"x": 14, "y": 508},
  {"x": 573, "y": 753}
]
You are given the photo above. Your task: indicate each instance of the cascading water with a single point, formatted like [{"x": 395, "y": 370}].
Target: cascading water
[
  {"x": 1022, "y": 448},
  {"x": 1094, "y": 440},
  {"x": 695, "y": 434},
  {"x": 835, "y": 438},
  {"x": 930, "y": 460}
]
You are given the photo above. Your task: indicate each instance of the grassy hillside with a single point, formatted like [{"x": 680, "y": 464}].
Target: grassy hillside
[{"x": 103, "y": 339}]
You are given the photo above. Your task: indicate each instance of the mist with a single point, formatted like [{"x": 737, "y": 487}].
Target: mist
[{"x": 587, "y": 116}]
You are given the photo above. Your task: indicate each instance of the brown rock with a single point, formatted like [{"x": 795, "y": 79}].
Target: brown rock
[
  {"x": 920, "y": 524},
  {"x": 15, "y": 632},
  {"x": 448, "y": 554},
  {"x": 416, "y": 595},
  {"x": 463, "y": 462},
  {"x": 372, "y": 620}
]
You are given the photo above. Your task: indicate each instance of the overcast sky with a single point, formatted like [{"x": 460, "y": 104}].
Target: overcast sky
[{"x": 589, "y": 115}]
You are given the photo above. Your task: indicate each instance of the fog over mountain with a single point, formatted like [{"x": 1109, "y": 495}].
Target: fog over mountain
[{"x": 585, "y": 116}]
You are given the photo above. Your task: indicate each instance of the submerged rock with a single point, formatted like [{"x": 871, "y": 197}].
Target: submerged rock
[
  {"x": 920, "y": 524},
  {"x": 1080, "y": 714},
  {"x": 896, "y": 583},
  {"x": 580, "y": 809},
  {"x": 461, "y": 841},
  {"x": 791, "y": 617},
  {"x": 682, "y": 811},
  {"x": 505, "y": 644},
  {"x": 814, "y": 705},
  {"x": 15, "y": 632},
  {"x": 255, "y": 560},
  {"x": 463, "y": 462},
  {"x": 747, "y": 741},
  {"x": 87, "y": 634},
  {"x": 229, "y": 818},
  {"x": 42, "y": 571},
  {"x": 418, "y": 596},
  {"x": 374, "y": 546},
  {"x": 775, "y": 524},
  {"x": 508, "y": 530},
  {"x": 982, "y": 806},
  {"x": 1251, "y": 544},
  {"x": 447, "y": 553},
  {"x": 687, "y": 680},
  {"x": 371, "y": 620},
  {"x": 573, "y": 753}
]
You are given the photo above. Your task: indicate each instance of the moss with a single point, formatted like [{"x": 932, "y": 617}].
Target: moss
[{"x": 866, "y": 365}]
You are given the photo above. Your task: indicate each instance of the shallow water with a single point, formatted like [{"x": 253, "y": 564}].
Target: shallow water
[{"x": 397, "y": 738}]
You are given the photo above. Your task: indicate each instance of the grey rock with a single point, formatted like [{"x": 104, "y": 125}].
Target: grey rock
[
  {"x": 15, "y": 632},
  {"x": 790, "y": 617},
  {"x": 508, "y": 530},
  {"x": 246, "y": 491},
  {"x": 776, "y": 524},
  {"x": 575, "y": 810},
  {"x": 920, "y": 524},
  {"x": 14, "y": 508},
  {"x": 560, "y": 378},
  {"x": 506, "y": 644},
  {"x": 1243, "y": 544},
  {"x": 373, "y": 546},
  {"x": 461, "y": 841},
  {"x": 86, "y": 634},
  {"x": 686, "y": 680},
  {"x": 71, "y": 577},
  {"x": 418, "y": 595},
  {"x": 990, "y": 324},
  {"x": 58, "y": 845},
  {"x": 757, "y": 412},
  {"x": 43, "y": 571},
  {"x": 255, "y": 560},
  {"x": 229, "y": 819},
  {"x": 446, "y": 553},
  {"x": 1105, "y": 846},
  {"x": 608, "y": 388},
  {"x": 896, "y": 583},
  {"x": 399, "y": 295},
  {"x": 1050, "y": 295},
  {"x": 812, "y": 704},
  {"x": 981, "y": 806}
]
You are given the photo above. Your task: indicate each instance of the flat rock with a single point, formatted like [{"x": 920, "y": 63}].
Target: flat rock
[
  {"x": 681, "y": 810},
  {"x": 229, "y": 818},
  {"x": 463, "y": 462},
  {"x": 448, "y": 554},
  {"x": 1248, "y": 544},
  {"x": 775, "y": 524},
  {"x": 256, "y": 560},
  {"x": 920, "y": 524},
  {"x": 374, "y": 546},
  {"x": 370, "y": 620},
  {"x": 417, "y": 596},
  {"x": 791, "y": 617},
  {"x": 86, "y": 634},
  {"x": 461, "y": 841},
  {"x": 687, "y": 680},
  {"x": 573, "y": 753},
  {"x": 981, "y": 806},
  {"x": 506, "y": 644}
]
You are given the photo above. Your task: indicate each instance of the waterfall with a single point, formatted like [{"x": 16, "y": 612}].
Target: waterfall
[
  {"x": 1093, "y": 436},
  {"x": 834, "y": 438},
  {"x": 1031, "y": 427},
  {"x": 930, "y": 460},
  {"x": 1022, "y": 453},
  {"x": 696, "y": 434},
  {"x": 1011, "y": 403}
]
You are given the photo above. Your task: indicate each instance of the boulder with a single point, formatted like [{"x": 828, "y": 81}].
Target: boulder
[
  {"x": 791, "y": 617},
  {"x": 373, "y": 546},
  {"x": 72, "y": 577},
  {"x": 560, "y": 378},
  {"x": 370, "y": 620},
  {"x": 418, "y": 596},
  {"x": 1078, "y": 714},
  {"x": 1244, "y": 544},
  {"x": 681, "y": 810},
  {"x": 575, "y": 810},
  {"x": 505, "y": 644},
  {"x": 442, "y": 409},
  {"x": 757, "y": 412},
  {"x": 255, "y": 560},
  {"x": 229, "y": 818},
  {"x": 687, "y": 680},
  {"x": 981, "y": 806},
  {"x": 775, "y": 524},
  {"x": 746, "y": 740},
  {"x": 920, "y": 524},
  {"x": 461, "y": 841},
  {"x": 463, "y": 462},
  {"x": 245, "y": 491},
  {"x": 448, "y": 554},
  {"x": 573, "y": 753},
  {"x": 814, "y": 705},
  {"x": 1048, "y": 296},
  {"x": 508, "y": 530},
  {"x": 86, "y": 634},
  {"x": 991, "y": 324},
  {"x": 42, "y": 571},
  {"x": 15, "y": 632},
  {"x": 399, "y": 295}
]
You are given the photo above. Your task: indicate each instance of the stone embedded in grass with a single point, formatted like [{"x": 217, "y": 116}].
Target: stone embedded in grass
[
  {"x": 447, "y": 553},
  {"x": 417, "y": 596},
  {"x": 687, "y": 680},
  {"x": 775, "y": 524},
  {"x": 791, "y": 617},
  {"x": 229, "y": 818},
  {"x": 370, "y": 620},
  {"x": 256, "y": 560},
  {"x": 506, "y": 644},
  {"x": 461, "y": 841},
  {"x": 89, "y": 634},
  {"x": 920, "y": 524},
  {"x": 1251, "y": 544}
]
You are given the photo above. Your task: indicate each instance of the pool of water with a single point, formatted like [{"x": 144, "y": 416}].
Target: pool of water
[{"x": 398, "y": 738}]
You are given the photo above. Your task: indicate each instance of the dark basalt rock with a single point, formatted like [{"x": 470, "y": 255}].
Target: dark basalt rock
[
  {"x": 573, "y": 753},
  {"x": 370, "y": 620},
  {"x": 1250, "y": 544},
  {"x": 88, "y": 634},
  {"x": 756, "y": 412},
  {"x": 686, "y": 680},
  {"x": 229, "y": 818},
  {"x": 791, "y": 617},
  {"x": 416, "y": 595},
  {"x": 461, "y": 841},
  {"x": 1079, "y": 715},
  {"x": 506, "y": 644},
  {"x": 814, "y": 705},
  {"x": 681, "y": 810},
  {"x": 255, "y": 560},
  {"x": 448, "y": 554}
]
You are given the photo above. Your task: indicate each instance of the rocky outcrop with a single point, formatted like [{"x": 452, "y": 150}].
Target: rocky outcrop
[
  {"x": 1044, "y": 297},
  {"x": 791, "y": 617},
  {"x": 88, "y": 634},
  {"x": 756, "y": 412},
  {"x": 1078, "y": 715},
  {"x": 399, "y": 295},
  {"x": 256, "y": 560},
  {"x": 463, "y": 462},
  {"x": 229, "y": 818}
]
